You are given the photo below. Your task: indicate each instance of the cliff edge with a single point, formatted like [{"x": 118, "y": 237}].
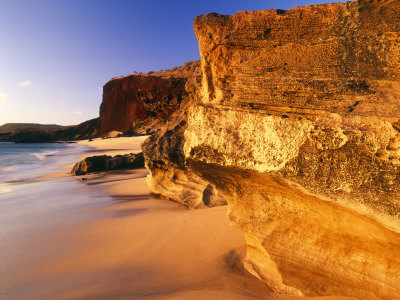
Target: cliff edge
[
  {"x": 295, "y": 121},
  {"x": 143, "y": 102}
]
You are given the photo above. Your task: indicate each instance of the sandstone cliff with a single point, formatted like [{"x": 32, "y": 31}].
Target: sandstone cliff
[
  {"x": 295, "y": 121},
  {"x": 165, "y": 160},
  {"x": 143, "y": 101}
]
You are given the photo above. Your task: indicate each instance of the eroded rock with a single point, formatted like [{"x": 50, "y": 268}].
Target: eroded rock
[
  {"x": 295, "y": 122},
  {"x": 99, "y": 163},
  {"x": 165, "y": 161}
]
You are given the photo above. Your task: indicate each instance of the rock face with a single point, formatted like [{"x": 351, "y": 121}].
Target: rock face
[
  {"x": 130, "y": 100},
  {"x": 85, "y": 130},
  {"x": 99, "y": 163},
  {"x": 165, "y": 160},
  {"x": 296, "y": 122}
]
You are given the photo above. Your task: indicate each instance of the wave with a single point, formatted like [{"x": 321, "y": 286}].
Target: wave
[
  {"x": 19, "y": 173},
  {"x": 5, "y": 190},
  {"x": 16, "y": 168},
  {"x": 44, "y": 154}
]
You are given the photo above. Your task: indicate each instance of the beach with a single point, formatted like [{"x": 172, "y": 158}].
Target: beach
[{"x": 107, "y": 237}]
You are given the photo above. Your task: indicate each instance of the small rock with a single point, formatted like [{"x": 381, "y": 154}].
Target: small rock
[{"x": 100, "y": 163}]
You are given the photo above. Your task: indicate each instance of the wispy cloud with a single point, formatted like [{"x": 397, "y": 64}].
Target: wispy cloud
[
  {"x": 25, "y": 83},
  {"x": 3, "y": 97},
  {"x": 61, "y": 102},
  {"x": 78, "y": 113}
]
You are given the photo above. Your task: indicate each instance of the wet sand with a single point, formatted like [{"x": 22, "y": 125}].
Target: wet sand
[{"x": 107, "y": 237}]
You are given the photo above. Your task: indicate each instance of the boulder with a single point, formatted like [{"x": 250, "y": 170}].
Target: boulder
[{"x": 99, "y": 163}]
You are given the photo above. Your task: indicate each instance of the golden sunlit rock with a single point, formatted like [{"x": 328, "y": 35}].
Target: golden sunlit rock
[{"x": 295, "y": 121}]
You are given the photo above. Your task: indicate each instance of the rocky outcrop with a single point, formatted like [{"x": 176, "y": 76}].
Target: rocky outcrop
[
  {"x": 29, "y": 132},
  {"x": 29, "y": 136},
  {"x": 165, "y": 160},
  {"x": 295, "y": 121},
  {"x": 99, "y": 163},
  {"x": 130, "y": 100},
  {"x": 85, "y": 130}
]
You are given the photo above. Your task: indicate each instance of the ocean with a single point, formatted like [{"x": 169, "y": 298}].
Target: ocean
[
  {"x": 26, "y": 162},
  {"x": 26, "y": 154},
  {"x": 39, "y": 201},
  {"x": 105, "y": 237}
]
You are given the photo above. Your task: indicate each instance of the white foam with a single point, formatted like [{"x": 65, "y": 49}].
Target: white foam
[
  {"x": 5, "y": 190},
  {"x": 42, "y": 155},
  {"x": 20, "y": 168}
]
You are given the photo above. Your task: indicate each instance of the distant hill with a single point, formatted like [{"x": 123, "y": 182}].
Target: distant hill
[
  {"x": 9, "y": 127},
  {"x": 44, "y": 133},
  {"x": 85, "y": 130}
]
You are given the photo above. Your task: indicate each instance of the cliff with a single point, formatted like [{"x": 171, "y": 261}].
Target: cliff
[
  {"x": 295, "y": 120},
  {"x": 85, "y": 130},
  {"x": 164, "y": 156},
  {"x": 143, "y": 100}
]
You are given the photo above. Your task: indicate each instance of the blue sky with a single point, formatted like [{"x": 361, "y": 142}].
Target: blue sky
[{"x": 55, "y": 55}]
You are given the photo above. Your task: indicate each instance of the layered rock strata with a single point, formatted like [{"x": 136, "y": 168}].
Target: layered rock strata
[
  {"x": 296, "y": 122},
  {"x": 150, "y": 98}
]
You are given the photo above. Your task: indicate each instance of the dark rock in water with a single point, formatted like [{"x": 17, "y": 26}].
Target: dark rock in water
[{"x": 100, "y": 163}]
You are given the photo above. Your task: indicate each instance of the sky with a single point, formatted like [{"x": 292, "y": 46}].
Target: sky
[{"x": 56, "y": 55}]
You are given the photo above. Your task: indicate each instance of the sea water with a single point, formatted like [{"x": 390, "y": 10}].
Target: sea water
[
  {"x": 35, "y": 180},
  {"x": 26, "y": 154},
  {"x": 24, "y": 161},
  {"x": 39, "y": 200}
]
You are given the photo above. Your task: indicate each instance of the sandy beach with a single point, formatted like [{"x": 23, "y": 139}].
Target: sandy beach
[{"x": 108, "y": 237}]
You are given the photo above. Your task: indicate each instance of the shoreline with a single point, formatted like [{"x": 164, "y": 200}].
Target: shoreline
[
  {"x": 114, "y": 146},
  {"x": 99, "y": 146},
  {"x": 108, "y": 237}
]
